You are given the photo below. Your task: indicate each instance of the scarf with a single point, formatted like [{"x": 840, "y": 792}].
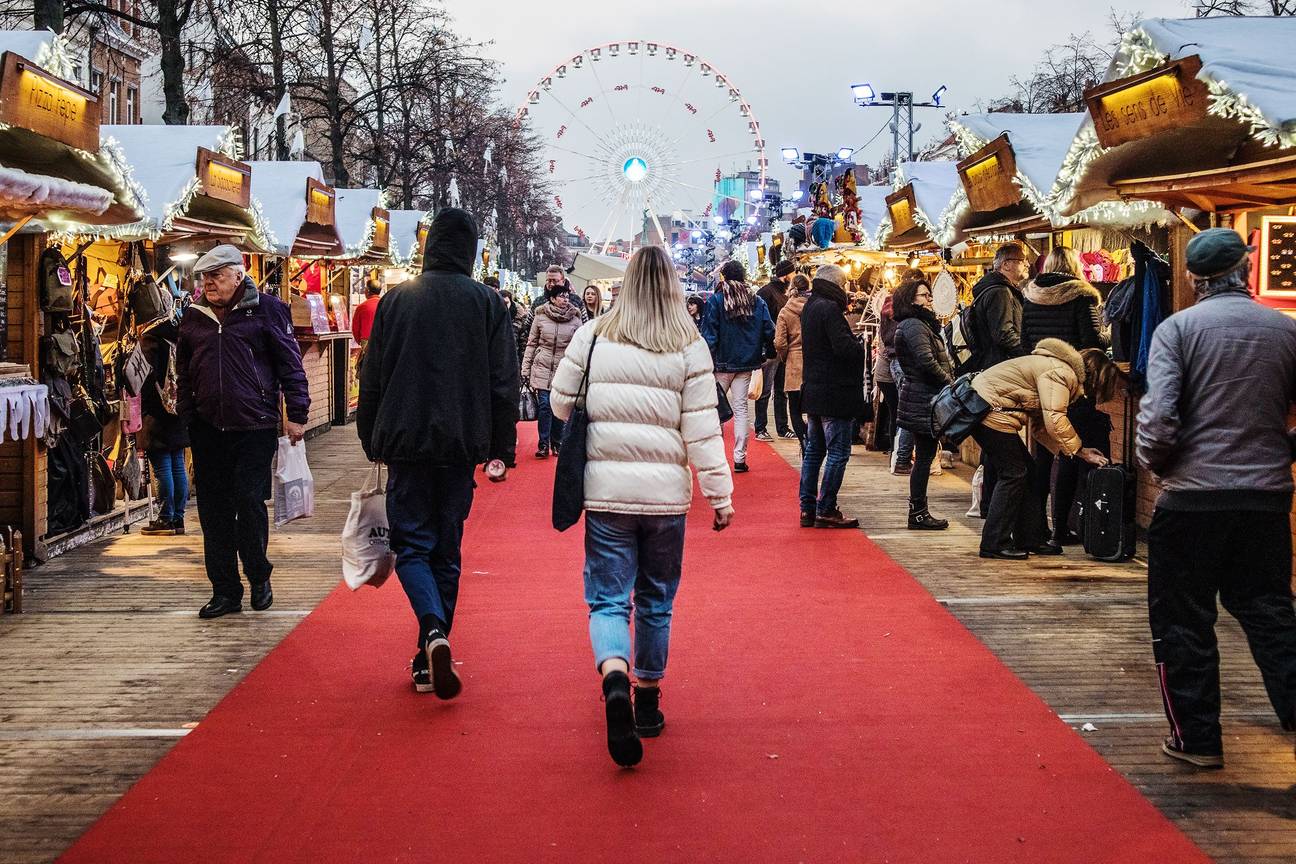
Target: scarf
[{"x": 739, "y": 301}]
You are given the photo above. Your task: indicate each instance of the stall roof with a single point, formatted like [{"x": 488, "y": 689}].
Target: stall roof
[
  {"x": 1040, "y": 143},
  {"x": 404, "y": 234},
  {"x": 355, "y": 222},
  {"x": 61, "y": 184},
  {"x": 589, "y": 267},
  {"x": 935, "y": 185},
  {"x": 280, "y": 189},
  {"x": 873, "y": 212},
  {"x": 1248, "y": 69},
  {"x": 163, "y": 165}
]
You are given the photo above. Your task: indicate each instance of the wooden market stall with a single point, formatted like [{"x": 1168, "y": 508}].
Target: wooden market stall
[
  {"x": 300, "y": 210},
  {"x": 54, "y": 176},
  {"x": 364, "y": 224},
  {"x": 409, "y": 230},
  {"x": 1199, "y": 114}
]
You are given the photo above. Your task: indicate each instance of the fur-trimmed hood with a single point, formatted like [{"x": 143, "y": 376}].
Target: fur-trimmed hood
[
  {"x": 1059, "y": 350},
  {"x": 1054, "y": 289}
]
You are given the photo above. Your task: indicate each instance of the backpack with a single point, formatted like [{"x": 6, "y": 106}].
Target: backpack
[
  {"x": 56, "y": 289},
  {"x": 960, "y": 338},
  {"x": 62, "y": 354}
]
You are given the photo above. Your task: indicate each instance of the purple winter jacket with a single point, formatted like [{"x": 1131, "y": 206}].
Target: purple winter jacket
[{"x": 230, "y": 374}]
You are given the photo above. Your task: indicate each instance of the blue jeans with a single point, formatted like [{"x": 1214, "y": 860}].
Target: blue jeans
[
  {"x": 827, "y": 446},
  {"x": 173, "y": 482},
  {"x": 549, "y": 427},
  {"x": 904, "y": 443},
  {"x": 426, "y": 509},
  {"x": 625, "y": 553}
]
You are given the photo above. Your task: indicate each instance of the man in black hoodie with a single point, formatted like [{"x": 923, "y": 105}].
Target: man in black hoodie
[{"x": 438, "y": 397}]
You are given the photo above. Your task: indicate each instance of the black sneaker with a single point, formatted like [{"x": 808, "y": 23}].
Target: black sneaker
[
  {"x": 1197, "y": 760},
  {"x": 159, "y": 528},
  {"x": 808, "y": 520},
  {"x": 445, "y": 681},
  {"x": 764, "y": 436},
  {"x": 649, "y": 720},
  {"x": 420, "y": 673},
  {"x": 177, "y": 526},
  {"x": 622, "y": 741},
  {"x": 542, "y": 452},
  {"x": 790, "y": 435},
  {"x": 740, "y": 468}
]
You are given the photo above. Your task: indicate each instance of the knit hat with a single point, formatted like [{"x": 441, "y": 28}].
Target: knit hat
[
  {"x": 784, "y": 268},
  {"x": 831, "y": 273}
]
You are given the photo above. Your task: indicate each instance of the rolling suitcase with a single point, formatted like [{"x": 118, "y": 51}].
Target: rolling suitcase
[{"x": 1110, "y": 497}]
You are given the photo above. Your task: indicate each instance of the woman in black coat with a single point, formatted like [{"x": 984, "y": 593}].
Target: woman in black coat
[
  {"x": 163, "y": 435},
  {"x": 1060, "y": 304},
  {"x": 927, "y": 369}
]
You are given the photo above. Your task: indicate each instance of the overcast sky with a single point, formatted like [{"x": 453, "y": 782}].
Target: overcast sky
[{"x": 795, "y": 62}]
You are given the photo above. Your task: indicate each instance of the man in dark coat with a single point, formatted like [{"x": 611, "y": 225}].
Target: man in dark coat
[
  {"x": 438, "y": 397},
  {"x": 775, "y": 296},
  {"x": 235, "y": 355},
  {"x": 832, "y": 395}
]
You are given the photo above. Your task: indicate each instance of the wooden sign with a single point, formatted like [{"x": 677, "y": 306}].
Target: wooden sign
[
  {"x": 1278, "y": 257},
  {"x": 382, "y": 230},
  {"x": 320, "y": 202},
  {"x": 901, "y": 205},
  {"x": 1142, "y": 105},
  {"x": 224, "y": 179},
  {"x": 33, "y": 99},
  {"x": 988, "y": 176}
]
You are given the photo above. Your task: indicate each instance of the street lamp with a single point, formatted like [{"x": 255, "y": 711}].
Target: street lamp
[
  {"x": 791, "y": 154},
  {"x": 901, "y": 104},
  {"x": 845, "y": 154}
]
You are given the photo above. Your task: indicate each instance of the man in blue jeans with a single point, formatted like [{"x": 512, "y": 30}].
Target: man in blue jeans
[
  {"x": 832, "y": 395},
  {"x": 438, "y": 397}
]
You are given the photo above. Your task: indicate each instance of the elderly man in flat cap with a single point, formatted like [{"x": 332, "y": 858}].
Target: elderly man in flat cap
[
  {"x": 1213, "y": 427},
  {"x": 235, "y": 357}
]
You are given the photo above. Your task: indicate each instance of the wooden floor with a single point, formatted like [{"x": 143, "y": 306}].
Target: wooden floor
[
  {"x": 109, "y": 665},
  {"x": 1076, "y": 632}
]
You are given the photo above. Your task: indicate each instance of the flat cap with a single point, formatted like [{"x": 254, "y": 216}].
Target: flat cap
[
  {"x": 1215, "y": 252},
  {"x": 221, "y": 256}
]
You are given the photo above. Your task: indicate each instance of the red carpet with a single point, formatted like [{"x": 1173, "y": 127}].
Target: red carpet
[{"x": 821, "y": 706}]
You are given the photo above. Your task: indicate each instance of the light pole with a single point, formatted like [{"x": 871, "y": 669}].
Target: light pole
[{"x": 902, "y": 116}]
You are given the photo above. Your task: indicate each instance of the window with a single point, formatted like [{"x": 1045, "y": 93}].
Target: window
[
  {"x": 132, "y": 100},
  {"x": 76, "y": 73},
  {"x": 114, "y": 102},
  {"x": 96, "y": 82}
]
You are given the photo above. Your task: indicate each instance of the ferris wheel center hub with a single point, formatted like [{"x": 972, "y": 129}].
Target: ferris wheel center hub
[{"x": 635, "y": 169}]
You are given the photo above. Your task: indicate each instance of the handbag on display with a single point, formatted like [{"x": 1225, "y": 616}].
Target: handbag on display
[
  {"x": 103, "y": 485},
  {"x": 569, "y": 476},
  {"x": 135, "y": 370},
  {"x": 83, "y": 417}
]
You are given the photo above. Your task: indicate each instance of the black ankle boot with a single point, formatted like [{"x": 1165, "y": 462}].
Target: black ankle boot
[
  {"x": 921, "y": 519},
  {"x": 623, "y": 744},
  {"x": 649, "y": 720}
]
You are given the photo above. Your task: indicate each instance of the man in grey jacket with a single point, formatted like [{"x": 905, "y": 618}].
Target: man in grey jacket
[{"x": 1213, "y": 427}]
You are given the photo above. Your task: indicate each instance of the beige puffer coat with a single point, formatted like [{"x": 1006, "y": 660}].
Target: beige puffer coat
[
  {"x": 1040, "y": 386},
  {"x": 787, "y": 342},
  {"x": 551, "y": 332},
  {"x": 650, "y": 416}
]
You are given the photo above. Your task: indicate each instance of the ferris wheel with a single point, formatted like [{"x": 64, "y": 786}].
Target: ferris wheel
[{"x": 636, "y": 133}]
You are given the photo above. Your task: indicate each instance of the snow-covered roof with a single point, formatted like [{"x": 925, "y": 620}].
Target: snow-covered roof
[
  {"x": 43, "y": 47},
  {"x": 873, "y": 211},
  {"x": 23, "y": 193},
  {"x": 937, "y": 189},
  {"x": 1249, "y": 69},
  {"x": 355, "y": 223},
  {"x": 162, "y": 167},
  {"x": 404, "y": 234},
  {"x": 280, "y": 189}
]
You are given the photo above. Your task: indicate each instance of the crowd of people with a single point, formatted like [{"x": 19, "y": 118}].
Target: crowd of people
[{"x": 642, "y": 381}]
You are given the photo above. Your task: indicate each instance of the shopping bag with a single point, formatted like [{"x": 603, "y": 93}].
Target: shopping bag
[
  {"x": 294, "y": 487},
  {"x": 367, "y": 558},
  {"x": 528, "y": 409},
  {"x": 978, "y": 489},
  {"x": 757, "y": 384}
]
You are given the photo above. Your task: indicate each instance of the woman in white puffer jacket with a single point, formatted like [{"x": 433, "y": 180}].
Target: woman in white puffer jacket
[{"x": 651, "y": 403}]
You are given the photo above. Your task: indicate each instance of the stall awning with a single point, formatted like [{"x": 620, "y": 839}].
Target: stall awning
[
  {"x": 299, "y": 209},
  {"x": 873, "y": 212},
  {"x": 921, "y": 204},
  {"x": 192, "y": 182},
  {"x": 589, "y": 267},
  {"x": 51, "y": 164},
  {"x": 1185, "y": 96},
  {"x": 1010, "y": 177},
  {"x": 408, "y": 229},
  {"x": 363, "y": 223}
]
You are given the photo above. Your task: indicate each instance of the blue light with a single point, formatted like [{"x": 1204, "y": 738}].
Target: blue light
[{"x": 635, "y": 169}]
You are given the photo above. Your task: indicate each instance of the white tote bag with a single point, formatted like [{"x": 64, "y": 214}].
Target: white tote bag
[
  {"x": 367, "y": 558},
  {"x": 294, "y": 487}
]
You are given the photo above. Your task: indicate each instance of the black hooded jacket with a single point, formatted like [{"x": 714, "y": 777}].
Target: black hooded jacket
[
  {"x": 832, "y": 358},
  {"x": 997, "y": 313},
  {"x": 439, "y": 383}
]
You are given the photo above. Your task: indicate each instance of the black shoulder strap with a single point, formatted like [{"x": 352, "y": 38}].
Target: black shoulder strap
[{"x": 583, "y": 391}]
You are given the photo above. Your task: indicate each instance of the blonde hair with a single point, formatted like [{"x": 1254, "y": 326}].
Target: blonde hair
[
  {"x": 598, "y": 298},
  {"x": 650, "y": 311},
  {"x": 1063, "y": 259},
  {"x": 1102, "y": 376}
]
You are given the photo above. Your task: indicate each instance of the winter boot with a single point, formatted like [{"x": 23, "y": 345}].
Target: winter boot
[
  {"x": 921, "y": 519},
  {"x": 649, "y": 720}
]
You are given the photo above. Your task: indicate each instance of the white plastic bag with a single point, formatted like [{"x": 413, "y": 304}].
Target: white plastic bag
[
  {"x": 294, "y": 487},
  {"x": 367, "y": 558},
  {"x": 978, "y": 487}
]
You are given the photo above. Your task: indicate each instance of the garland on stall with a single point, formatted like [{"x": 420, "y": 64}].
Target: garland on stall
[{"x": 942, "y": 230}]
